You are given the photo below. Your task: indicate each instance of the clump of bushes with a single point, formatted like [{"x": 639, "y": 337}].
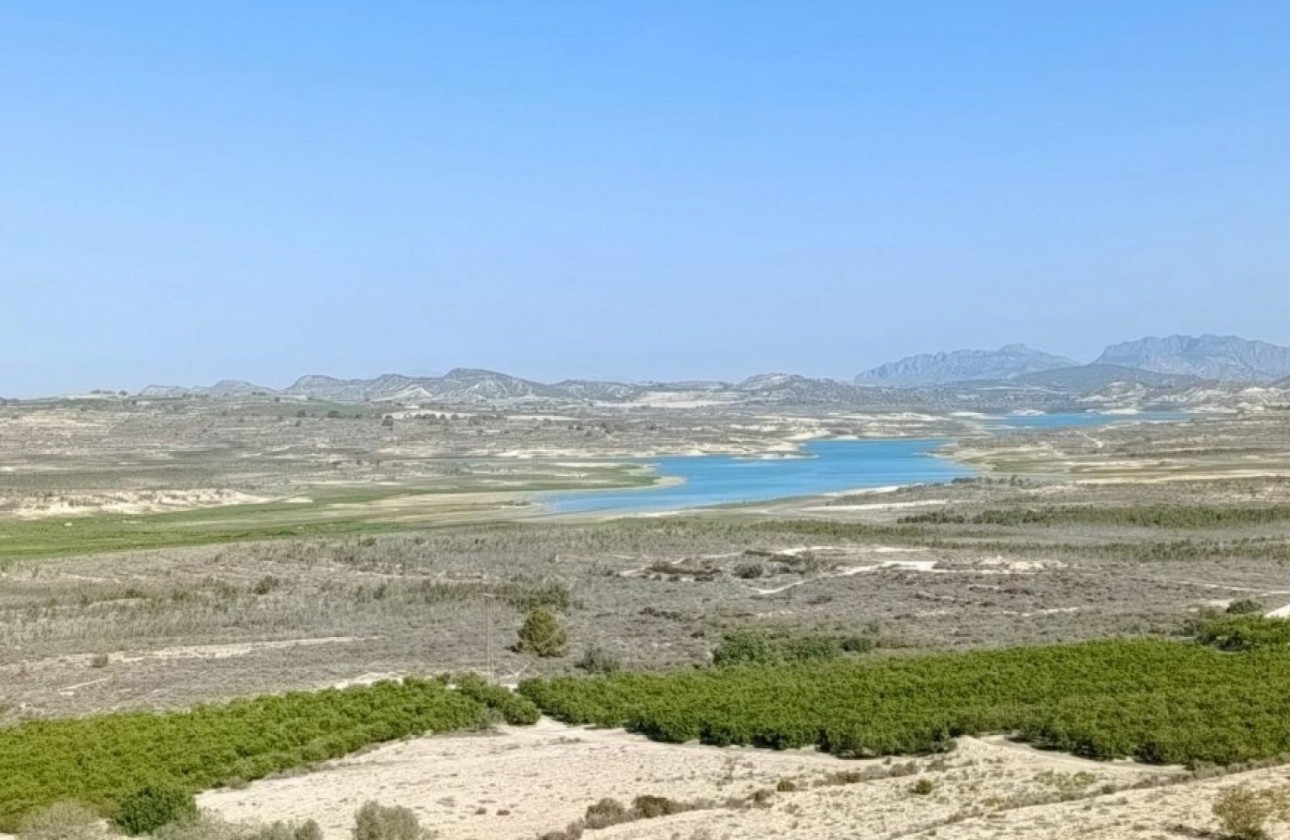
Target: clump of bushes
[
  {"x": 543, "y": 634},
  {"x": 208, "y": 826},
  {"x": 375, "y": 821},
  {"x": 605, "y": 813},
  {"x": 61, "y": 821},
  {"x": 1243, "y": 632},
  {"x": 1245, "y": 606},
  {"x": 513, "y": 708},
  {"x": 755, "y": 647},
  {"x": 598, "y": 660},
  {"x": 922, "y": 787},
  {"x": 149, "y": 808}
]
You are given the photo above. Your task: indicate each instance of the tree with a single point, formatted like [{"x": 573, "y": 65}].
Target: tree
[{"x": 542, "y": 634}]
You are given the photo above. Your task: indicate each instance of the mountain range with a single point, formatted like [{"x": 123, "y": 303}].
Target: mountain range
[
  {"x": 1008, "y": 362},
  {"x": 1013, "y": 372},
  {"x": 1207, "y": 357}
]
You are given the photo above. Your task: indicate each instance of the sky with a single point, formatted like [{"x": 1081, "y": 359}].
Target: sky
[{"x": 628, "y": 190}]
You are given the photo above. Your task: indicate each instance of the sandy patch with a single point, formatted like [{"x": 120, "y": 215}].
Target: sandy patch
[
  {"x": 129, "y": 503},
  {"x": 876, "y": 506},
  {"x": 524, "y": 781},
  {"x": 226, "y": 651}
]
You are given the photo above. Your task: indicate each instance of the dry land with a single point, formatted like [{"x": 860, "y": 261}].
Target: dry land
[{"x": 160, "y": 555}]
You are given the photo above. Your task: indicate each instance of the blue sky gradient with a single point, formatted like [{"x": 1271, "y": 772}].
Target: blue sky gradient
[{"x": 629, "y": 189}]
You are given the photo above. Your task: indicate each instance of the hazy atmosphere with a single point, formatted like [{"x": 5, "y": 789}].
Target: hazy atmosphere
[{"x": 628, "y": 190}]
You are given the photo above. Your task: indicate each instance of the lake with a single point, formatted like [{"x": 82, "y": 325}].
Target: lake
[{"x": 824, "y": 466}]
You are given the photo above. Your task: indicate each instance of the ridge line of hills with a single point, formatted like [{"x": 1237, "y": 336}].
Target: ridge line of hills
[
  {"x": 1207, "y": 357},
  {"x": 1157, "y": 365}
]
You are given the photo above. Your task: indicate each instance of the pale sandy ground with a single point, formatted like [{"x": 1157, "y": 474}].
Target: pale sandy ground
[{"x": 524, "y": 781}]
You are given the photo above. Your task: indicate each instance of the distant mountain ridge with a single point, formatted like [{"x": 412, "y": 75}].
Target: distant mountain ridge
[
  {"x": 961, "y": 378},
  {"x": 1008, "y": 362},
  {"x": 1207, "y": 357},
  {"x": 1225, "y": 358}
]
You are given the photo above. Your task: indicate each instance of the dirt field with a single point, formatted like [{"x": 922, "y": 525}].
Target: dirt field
[{"x": 522, "y": 782}]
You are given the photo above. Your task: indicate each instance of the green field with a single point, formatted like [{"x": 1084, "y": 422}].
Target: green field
[
  {"x": 327, "y": 512},
  {"x": 1155, "y": 700}
]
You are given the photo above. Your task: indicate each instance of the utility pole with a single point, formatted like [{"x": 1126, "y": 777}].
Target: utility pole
[{"x": 488, "y": 635}]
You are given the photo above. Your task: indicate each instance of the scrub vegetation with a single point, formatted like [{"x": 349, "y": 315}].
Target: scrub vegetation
[
  {"x": 127, "y": 766},
  {"x": 1158, "y": 701}
]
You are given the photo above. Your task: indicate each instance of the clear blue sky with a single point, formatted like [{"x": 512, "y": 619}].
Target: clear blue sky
[{"x": 190, "y": 191}]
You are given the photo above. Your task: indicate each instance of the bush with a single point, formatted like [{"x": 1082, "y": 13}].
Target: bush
[
  {"x": 922, "y": 787},
  {"x": 209, "y": 826},
  {"x": 543, "y": 635},
  {"x": 61, "y": 821},
  {"x": 265, "y": 585},
  {"x": 1243, "y": 812},
  {"x": 375, "y": 821},
  {"x": 754, "y": 647},
  {"x": 597, "y": 660},
  {"x": 150, "y": 808},
  {"x": 572, "y": 832},
  {"x": 605, "y": 813},
  {"x": 1244, "y": 632},
  {"x": 648, "y": 807},
  {"x": 745, "y": 647},
  {"x": 514, "y": 709},
  {"x": 1245, "y": 606}
]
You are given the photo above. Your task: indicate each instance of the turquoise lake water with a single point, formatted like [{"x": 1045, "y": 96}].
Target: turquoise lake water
[{"x": 825, "y": 466}]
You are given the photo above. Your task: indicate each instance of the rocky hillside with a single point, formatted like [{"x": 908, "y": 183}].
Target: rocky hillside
[
  {"x": 1088, "y": 378},
  {"x": 1222, "y": 358},
  {"x": 1007, "y": 362}
]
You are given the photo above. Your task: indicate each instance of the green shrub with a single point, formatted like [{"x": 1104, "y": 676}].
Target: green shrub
[
  {"x": 514, "y": 708},
  {"x": 1245, "y": 606},
  {"x": 1244, "y": 632},
  {"x": 542, "y": 634},
  {"x": 149, "y": 808},
  {"x": 756, "y": 647},
  {"x": 375, "y": 821},
  {"x": 922, "y": 787},
  {"x": 745, "y": 647}
]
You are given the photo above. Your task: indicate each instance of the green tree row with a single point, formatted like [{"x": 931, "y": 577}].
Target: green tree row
[
  {"x": 103, "y": 760},
  {"x": 1155, "y": 700}
]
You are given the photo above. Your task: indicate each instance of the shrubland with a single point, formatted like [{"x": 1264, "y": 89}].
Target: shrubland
[
  {"x": 118, "y": 763},
  {"x": 1156, "y": 700}
]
